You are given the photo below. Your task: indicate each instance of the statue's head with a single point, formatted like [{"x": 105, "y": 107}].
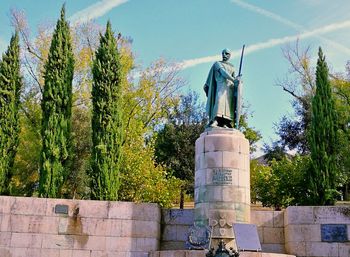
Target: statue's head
[{"x": 226, "y": 54}]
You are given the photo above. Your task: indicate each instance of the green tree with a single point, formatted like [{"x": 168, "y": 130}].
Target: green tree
[
  {"x": 25, "y": 171},
  {"x": 341, "y": 89},
  {"x": 250, "y": 133},
  {"x": 34, "y": 56},
  {"x": 175, "y": 142},
  {"x": 146, "y": 106},
  {"x": 10, "y": 89},
  {"x": 56, "y": 112},
  {"x": 300, "y": 85},
  {"x": 107, "y": 124},
  {"x": 323, "y": 139},
  {"x": 281, "y": 183},
  {"x": 293, "y": 131}
]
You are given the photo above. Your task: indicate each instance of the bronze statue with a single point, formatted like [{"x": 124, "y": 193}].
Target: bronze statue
[{"x": 223, "y": 91}]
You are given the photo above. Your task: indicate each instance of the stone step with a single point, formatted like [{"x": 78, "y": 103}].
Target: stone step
[{"x": 189, "y": 253}]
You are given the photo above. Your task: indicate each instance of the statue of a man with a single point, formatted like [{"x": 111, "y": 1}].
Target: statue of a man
[{"x": 223, "y": 92}]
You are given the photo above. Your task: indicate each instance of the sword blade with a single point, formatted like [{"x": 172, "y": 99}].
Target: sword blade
[{"x": 241, "y": 61}]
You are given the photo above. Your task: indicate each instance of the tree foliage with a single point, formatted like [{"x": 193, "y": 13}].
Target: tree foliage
[
  {"x": 146, "y": 106},
  {"x": 294, "y": 132},
  {"x": 56, "y": 112},
  {"x": 175, "y": 142},
  {"x": 281, "y": 183},
  {"x": 107, "y": 125},
  {"x": 300, "y": 84},
  {"x": 10, "y": 89},
  {"x": 249, "y": 132},
  {"x": 341, "y": 90},
  {"x": 323, "y": 139},
  {"x": 25, "y": 171},
  {"x": 143, "y": 180},
  {"x": 33, "y": 58}
]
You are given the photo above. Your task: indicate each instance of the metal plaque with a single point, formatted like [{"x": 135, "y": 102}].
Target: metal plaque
[
  {"x": 222, "y": 176},
  {"x": 61, "y": 209},
  {"x": 247, "y": 238},
  {"x": 334, "y": 233}
]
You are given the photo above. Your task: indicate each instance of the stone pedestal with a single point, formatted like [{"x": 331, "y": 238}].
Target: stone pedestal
[{"x": 222, "y": 182}]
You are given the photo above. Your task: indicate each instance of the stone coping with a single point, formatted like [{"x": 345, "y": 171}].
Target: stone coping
[
  {"x": 86, "y": 208},
  {"x": 201, "y": 253},
  {"x": 219, "y": 130}
]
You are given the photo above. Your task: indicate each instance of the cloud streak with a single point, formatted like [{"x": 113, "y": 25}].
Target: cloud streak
[
  {"x": 288, "y": 23},
  {"x": 95, "y": 10},
  {"x": 270, "y": 43},
  {"x": 268, "y": 14}
]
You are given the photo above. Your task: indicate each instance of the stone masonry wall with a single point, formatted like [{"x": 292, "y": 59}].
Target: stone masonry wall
[
  {"x": 270, "y": 229},
  {"x": 303, "y": 230},
  {"x": 29, "y": 227},
  {"x": 175, "y": 225}
]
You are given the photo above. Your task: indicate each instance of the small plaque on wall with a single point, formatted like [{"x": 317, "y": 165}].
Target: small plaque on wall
[
  {"x": 222, "y": 176},
  {"x": 61, "y": 209},
  {"x": 247, "y": 238},
  {"x": 334, "y": 233}
]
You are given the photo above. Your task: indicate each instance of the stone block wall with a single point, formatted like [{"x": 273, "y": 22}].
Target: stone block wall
[
  {"x": 303, "y": 230},
  {"x": 30, "y": 227},
  {"x": 270, "y": 229},
  {"x": 175, "y": 225}
]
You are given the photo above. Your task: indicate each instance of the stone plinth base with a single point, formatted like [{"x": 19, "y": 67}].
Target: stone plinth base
[
  {"x": 222, "y": 182},
  {"x": 178, "y": 253},
  {"x": 260, "y": 254},
  {"x": 185, "y": 253}
]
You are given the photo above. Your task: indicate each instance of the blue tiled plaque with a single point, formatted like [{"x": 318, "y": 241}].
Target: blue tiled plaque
[{"x": 334, "y": 233}]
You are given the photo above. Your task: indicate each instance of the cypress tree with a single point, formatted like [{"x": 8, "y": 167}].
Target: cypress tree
[
  {"x": 323, "y": 139},
  {"x": 107, "y": 127},
  {"x": 56, "y": 112},
  {"x": 10, "y": 88}
]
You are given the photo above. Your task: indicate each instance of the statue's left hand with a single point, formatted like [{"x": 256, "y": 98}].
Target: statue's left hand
[{"x": 237, "y": 80}]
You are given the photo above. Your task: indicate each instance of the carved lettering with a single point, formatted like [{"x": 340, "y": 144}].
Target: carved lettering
[{"x": 222, "y": 176}]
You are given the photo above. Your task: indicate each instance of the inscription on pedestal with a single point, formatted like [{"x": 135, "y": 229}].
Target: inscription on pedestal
[
  {"x": 222, "y": 177},
  {"x": 334, "y": 233}
]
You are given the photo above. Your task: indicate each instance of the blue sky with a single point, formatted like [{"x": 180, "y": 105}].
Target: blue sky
[{"x": 193, "y": 32}]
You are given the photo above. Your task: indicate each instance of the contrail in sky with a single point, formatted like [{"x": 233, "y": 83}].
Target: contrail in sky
[
  {"x": 95, "y": 10},
  {"x": 267, "y": 14},
  {"x": 287, "y": 22},
  {"x": 270, "y": 43}
]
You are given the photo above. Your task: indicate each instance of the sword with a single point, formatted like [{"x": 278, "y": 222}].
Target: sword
[
  {"x": 237, "y": 101},
  {"x": 240, "y": 63}
]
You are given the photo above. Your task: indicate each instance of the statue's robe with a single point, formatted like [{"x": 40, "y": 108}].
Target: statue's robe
[{"x": 223, "y": 95}]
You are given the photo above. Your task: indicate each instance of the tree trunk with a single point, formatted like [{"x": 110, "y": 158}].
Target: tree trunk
[{"x": 182, "y": 199}]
